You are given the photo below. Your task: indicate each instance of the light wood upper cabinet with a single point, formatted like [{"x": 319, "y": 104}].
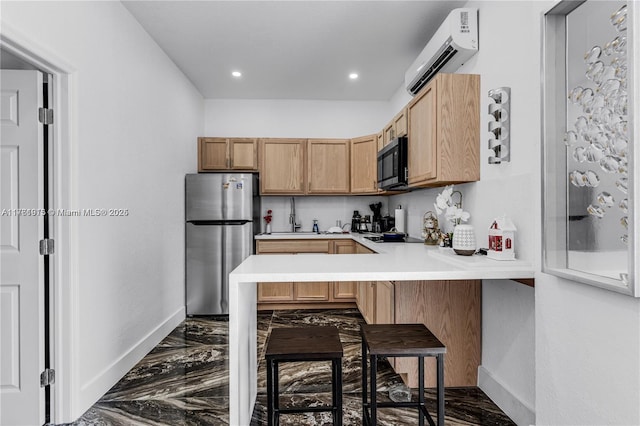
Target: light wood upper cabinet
[
  {"x": 388, "y": 133},
  {"x": 243, "y": 154},
  {"x": 282, "y": 166},
  {"x": 227, "y": 154},
  {"x": 396, "y": 128},
  {"x": 364, "y": 170},
  {"x": 443, "y": 129},
  {"x": 400, "y": 123},
  {"x": 380, "y": 138},
  {"x": 328, "y": 166},
  {"x": 212, "y": 154}
]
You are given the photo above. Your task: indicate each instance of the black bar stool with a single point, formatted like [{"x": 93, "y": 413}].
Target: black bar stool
[
  {"x": 304, "y": 344},
  {"x": 400, "y": 340}
]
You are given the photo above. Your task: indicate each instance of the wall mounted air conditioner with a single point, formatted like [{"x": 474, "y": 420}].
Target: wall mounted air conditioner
[{"x": 455, "y": 41}]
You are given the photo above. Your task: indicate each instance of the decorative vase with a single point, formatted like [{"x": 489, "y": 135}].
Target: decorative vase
[
  {"x": 464, "y": 240},
  {"x": 268, "y": 229}
]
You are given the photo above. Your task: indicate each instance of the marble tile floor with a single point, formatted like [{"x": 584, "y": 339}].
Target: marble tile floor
[{"x": 184, "y": 381}]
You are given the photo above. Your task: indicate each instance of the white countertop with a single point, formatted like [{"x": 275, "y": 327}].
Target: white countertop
[{"x": 393, "y": 262}]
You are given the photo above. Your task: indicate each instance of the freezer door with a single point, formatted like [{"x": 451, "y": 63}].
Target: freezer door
[
  {"x": 219, "y": 196},
  {"x": 213, "y": 251}
]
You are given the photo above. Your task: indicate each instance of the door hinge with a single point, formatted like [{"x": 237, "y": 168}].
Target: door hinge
[
  {"x": 47, "y": 246},
  {"x": 47, "y": 377},
  {"x": 45, "y": 115}
]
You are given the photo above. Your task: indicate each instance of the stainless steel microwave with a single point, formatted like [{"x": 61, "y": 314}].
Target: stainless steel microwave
[{"x": 392, "y": 165}]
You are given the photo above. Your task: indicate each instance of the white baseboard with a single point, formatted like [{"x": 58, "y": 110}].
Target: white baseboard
[
  {"x": 93, "y": 390},
  {"x": 520, "y": 412}
]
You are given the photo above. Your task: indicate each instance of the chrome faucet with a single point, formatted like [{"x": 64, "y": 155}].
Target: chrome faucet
[{"x": 292, "y": 216}]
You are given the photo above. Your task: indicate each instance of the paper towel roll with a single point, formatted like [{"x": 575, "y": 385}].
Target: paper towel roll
[{"x": 400, "y": 220}]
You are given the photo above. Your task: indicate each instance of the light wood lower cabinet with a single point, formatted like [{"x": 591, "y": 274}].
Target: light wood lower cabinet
[
  {"x": 385, "y": 302},
  {"x": 344, "y": 290},
  {"x": 366, "y": 300},
  {"x": 275, "y": 292},
  {"x": 452, "y": 310},
  {"x": 311, "y": 291},
  {"x": 305, "y": 292}
]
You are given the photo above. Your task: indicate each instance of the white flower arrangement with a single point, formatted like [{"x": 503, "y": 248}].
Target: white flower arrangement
[{"x": 452, "y": 211}]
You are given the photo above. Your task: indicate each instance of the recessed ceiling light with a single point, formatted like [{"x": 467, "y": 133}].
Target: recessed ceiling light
[
  {"x": 353, "y": 76},
  {"x": 236, "y": 74}
]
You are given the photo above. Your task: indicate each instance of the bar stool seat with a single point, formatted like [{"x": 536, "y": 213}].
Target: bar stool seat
[
  {"x": 304, "y": 344},
  {"x": 400, "y": 340}
]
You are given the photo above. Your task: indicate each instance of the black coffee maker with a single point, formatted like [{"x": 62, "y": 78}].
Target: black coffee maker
[
  {"x": 376, "y": 220},
  {"x": 355, "y": 221},
  {"x": 387, "y": 223}
]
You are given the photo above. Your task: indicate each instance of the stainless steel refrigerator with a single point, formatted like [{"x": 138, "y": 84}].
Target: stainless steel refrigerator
[{"x": 222, "y": 215}]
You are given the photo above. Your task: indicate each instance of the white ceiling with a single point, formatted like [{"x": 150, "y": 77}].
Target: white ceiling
[{"x": 293, "y": 49}]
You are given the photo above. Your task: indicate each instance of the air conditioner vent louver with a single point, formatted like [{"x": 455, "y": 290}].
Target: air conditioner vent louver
[
  {"x": 452, "y": 44},
  {"x": 431, "y": 71}
]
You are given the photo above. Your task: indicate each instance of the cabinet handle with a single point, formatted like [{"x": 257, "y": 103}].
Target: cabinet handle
[{"x": 374, "y": 185}]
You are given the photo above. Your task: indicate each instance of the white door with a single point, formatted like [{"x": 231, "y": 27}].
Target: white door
[{"x": 21, "y": 288}]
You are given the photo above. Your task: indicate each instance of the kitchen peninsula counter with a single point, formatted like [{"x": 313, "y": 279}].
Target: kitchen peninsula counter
[{"x": 392, "y": 262}]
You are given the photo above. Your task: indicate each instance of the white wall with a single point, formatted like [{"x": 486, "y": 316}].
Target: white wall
[
  {"x": 566, "y": 349},
  {"x": 293, "y": 118},
  {"x": 301, "y": 119},
  {"x": 508, "y": 56},
  {"x": 135, "y": 119},
  {"x": 543, "y": 348}
]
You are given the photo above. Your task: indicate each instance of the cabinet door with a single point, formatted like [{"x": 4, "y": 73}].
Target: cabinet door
[
  {"x": 360, "y": 249},
  {"x": 328, "y": 166},
  {"x": 282, "y": 166},
  {"x": 292, "y": 246},
  {"x": 212, "y": 154},
  {"x": 344, "y": 289},
  {"x": 388, "y": 133},
  {"x": 370, "y": 304},
  {"x": 380, "y": 138},
  {"x": 444, "y": 136},
  {"x": 400, "y": 123},
  {"x": 275, "y": 292},
  {"x": 311, "y": 291},
  {"x": 366, "y": 300},
  {"x": 385, "y": 302},
  {"x": 364, "y": 167},
  {"x": 243, "y": 154},
  {"x": 458, "y": 128},
  {"x": 422, "y": 142}
]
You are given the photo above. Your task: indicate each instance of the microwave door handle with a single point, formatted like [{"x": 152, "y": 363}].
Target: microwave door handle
[{"x": 406, "y": 174}]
